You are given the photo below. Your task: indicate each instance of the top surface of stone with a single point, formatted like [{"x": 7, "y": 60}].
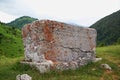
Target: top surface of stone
[{"x": 57, "y": 41}]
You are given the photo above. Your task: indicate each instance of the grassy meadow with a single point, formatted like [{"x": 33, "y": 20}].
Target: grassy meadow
[{"x": 10, "y": 67}]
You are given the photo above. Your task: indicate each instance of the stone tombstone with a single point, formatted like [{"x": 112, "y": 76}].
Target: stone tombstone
[{"x": 56, "y": 45}]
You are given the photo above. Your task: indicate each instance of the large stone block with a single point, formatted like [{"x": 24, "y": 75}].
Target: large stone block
[{"x": 59, "y": 45}]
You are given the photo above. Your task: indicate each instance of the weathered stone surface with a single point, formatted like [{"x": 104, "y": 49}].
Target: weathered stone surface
[
  {"x": 23, "y": 77},
  {"x": 64, "y": 46}
]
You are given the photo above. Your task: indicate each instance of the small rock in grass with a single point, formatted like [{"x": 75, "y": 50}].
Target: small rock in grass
[
  {"x": 23, "y": 77},
  {"x": 106, "y": 66}
]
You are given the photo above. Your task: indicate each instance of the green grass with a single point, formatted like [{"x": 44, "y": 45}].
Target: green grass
[
  {"x": 11, "y": 44},
  {"x": 10, "y": 67}
]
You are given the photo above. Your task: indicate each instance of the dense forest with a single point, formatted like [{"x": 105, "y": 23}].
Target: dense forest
[{"x": 108, "y": 29}]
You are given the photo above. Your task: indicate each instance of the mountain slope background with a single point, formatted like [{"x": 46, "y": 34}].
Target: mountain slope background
[
  {"x": 20, "y": 22},
  {"x": 108, "y": 29}
]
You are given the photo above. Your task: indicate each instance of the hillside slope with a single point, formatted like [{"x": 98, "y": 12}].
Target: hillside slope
[
  {"x": 20, "y": 22},
  {"x": 108, "y": 29},
  {"x": 10, "y": 41}
]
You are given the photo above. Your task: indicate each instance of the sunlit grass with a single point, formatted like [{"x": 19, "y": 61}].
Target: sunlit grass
[{"x": 111, "y": 53}]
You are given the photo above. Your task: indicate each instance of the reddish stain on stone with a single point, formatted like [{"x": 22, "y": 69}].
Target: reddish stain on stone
[
  {"x": 49, "y": 37},
  {"x": 50, "y": 55},
  {"x": 48, "y": 34},
  {"x": 26, "y": 30}
]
